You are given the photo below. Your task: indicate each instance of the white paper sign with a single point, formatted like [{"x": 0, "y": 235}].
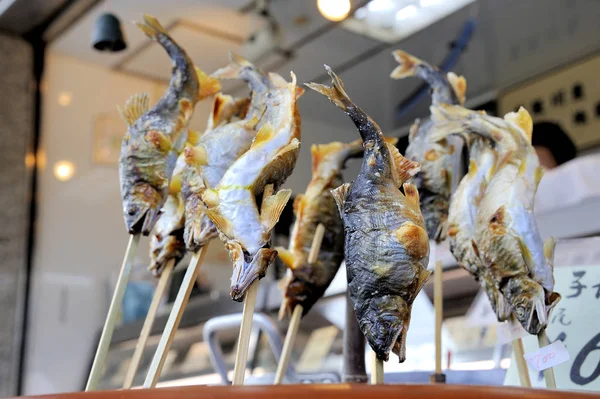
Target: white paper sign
[
  {"x": 509, "y": 331},
  {"x": 548, "y": 356},
  {"x": 576, "y": 322}
]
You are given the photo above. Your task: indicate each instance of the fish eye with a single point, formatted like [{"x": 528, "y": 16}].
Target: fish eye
[{"x": 131, "y": 210}]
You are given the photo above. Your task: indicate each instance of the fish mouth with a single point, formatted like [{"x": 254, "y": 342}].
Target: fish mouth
[
  {"x": 247, "y": 267},
  {"x": 142, "y": 209}
]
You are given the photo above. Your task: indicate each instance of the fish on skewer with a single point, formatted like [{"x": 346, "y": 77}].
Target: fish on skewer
[
  {"x": 437, "y": 159},
  {"x": 166, "y": 241},
  {"x": 508, "y": 239},
  {"x": 386, "y": 245},
  {"x": 305, "y": 283},
  {"x": 228, "y": 135},
  {"x": 156, "y": 136},
  {"x": 231, "y": 205}
]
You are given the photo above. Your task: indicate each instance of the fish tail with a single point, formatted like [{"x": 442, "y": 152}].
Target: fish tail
[
  {"x": 234, "y": 70},
  {"x": 408, "y": 65},
  {"x": 151, "y": 27},
  {"x": 341, "y": 151},
  {"x": 448, "y": 88},
  {"x": 335, "y": 93},
  {"x": 369, "y": 130}
]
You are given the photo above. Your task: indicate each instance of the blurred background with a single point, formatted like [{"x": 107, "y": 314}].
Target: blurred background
[{"x": 63, "y": 236}]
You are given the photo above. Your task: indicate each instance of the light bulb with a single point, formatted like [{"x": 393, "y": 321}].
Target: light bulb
[
  {"x": 64, "y": 98},
  {"x": 334, "y": 10},
  {"x": 64, "y": 170}
]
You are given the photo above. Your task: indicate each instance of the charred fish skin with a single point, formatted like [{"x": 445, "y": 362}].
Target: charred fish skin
[
  {"x": 232, "y": 206},
  {"x": 224, "y": 140},
  {"x": 437, "y": 159},
  {"x": 386, "y": 245},
  {"x": 155, "y": 136},
  {"x": 306, "y": 283},
  {"x": 508, "y": 238}
]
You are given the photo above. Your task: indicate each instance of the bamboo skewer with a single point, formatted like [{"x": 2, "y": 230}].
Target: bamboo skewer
[
  {"x": 241, "y": 355},
  {"x": 519, "y": 353},
  {"x": 549, "y": 372},
  {"x": 438, "y": 303},
  {"x": 183, "y": 295},
  {"x": 292, "y": 331},
  {"x": 377, "y": 372},
  {"x": 113, "y": 311},
  {"x": 148, "y": 323}
]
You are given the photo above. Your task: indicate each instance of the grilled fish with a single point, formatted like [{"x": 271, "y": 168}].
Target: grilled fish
[
  {"x": 386, "y": 245},
  {"x": 224, "y": 141},
  {"x": 437, "y": 159},
  {"x": 306, "y": 283},
  {"x": 156, "y": 136},
  {"x": 508, "y": 238},
  {"x": 231, "y": 205},
  {"x": 166, "y": 241}
]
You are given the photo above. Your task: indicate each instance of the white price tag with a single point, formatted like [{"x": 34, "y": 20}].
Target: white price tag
[
  {"x": 509, "y": 331},
  {"x": 548, "y": 356}
]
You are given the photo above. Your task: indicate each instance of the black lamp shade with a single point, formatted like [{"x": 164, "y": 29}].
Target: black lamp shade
[{"x": 107, "y": 34}]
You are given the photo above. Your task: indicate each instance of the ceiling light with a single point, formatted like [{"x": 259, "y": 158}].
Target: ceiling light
[
  {"x": 406, "y": 12},
  {"x": 64, "y": 170},
  {"x": 334, "y": 10},
  {"x": 429, "y": 3},
  {"x": 64, "y": 98}
]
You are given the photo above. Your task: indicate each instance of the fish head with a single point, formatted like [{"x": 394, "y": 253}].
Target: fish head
[
  {"x": 528, "y": 301},
  {"x": 384, "y": 322},
  {"x": 141, "y": 208},
  {"x": 247, "y": 266}
]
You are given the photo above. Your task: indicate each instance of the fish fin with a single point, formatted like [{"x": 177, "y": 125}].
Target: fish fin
[
  {"x": 407, "y": 67},
  {"x": 195, "y": 156},
  {"x": 390, "y": 140},
  {"x": 265, "y": 134},
  {"x": 218, "y": 107},
  {"x": 233, "y": 69},
  {"x": 414, "y": 239},
  {"x": 193, "y": 136},
  {"x": 526, "y": 253},
  {"x": 286, "y": 257},
  {"x": 411, "y": 193},
  {"x": 272, "y": 207},
  {"x": 175, "y": 184},
  {"x": 159, "y": 140},
  {"x": 459, "y": 84},
  {"x": 151, "y": 27},
  {"x": 522, "y": 120},
  {"x": 503, "y": 309},
  {"x": 539, "y": 173},
  {"x": 135, "y": 107},
  {"x": 210, "y": 197},
  {"x": 209, "y": 85},
  {"x": 319, "y": 151},
  {"x": 549, "y": 247},
  {"x": 403, "y": 168},
  {"x": 335, "y": 93},
  {"x": 522, "y": 167},
  {"x": 299, "y": 203},
  {"x": 220, "y": 222},
  {"x": 339, "y": 195},
  {"x": 472, "y": 168}
]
